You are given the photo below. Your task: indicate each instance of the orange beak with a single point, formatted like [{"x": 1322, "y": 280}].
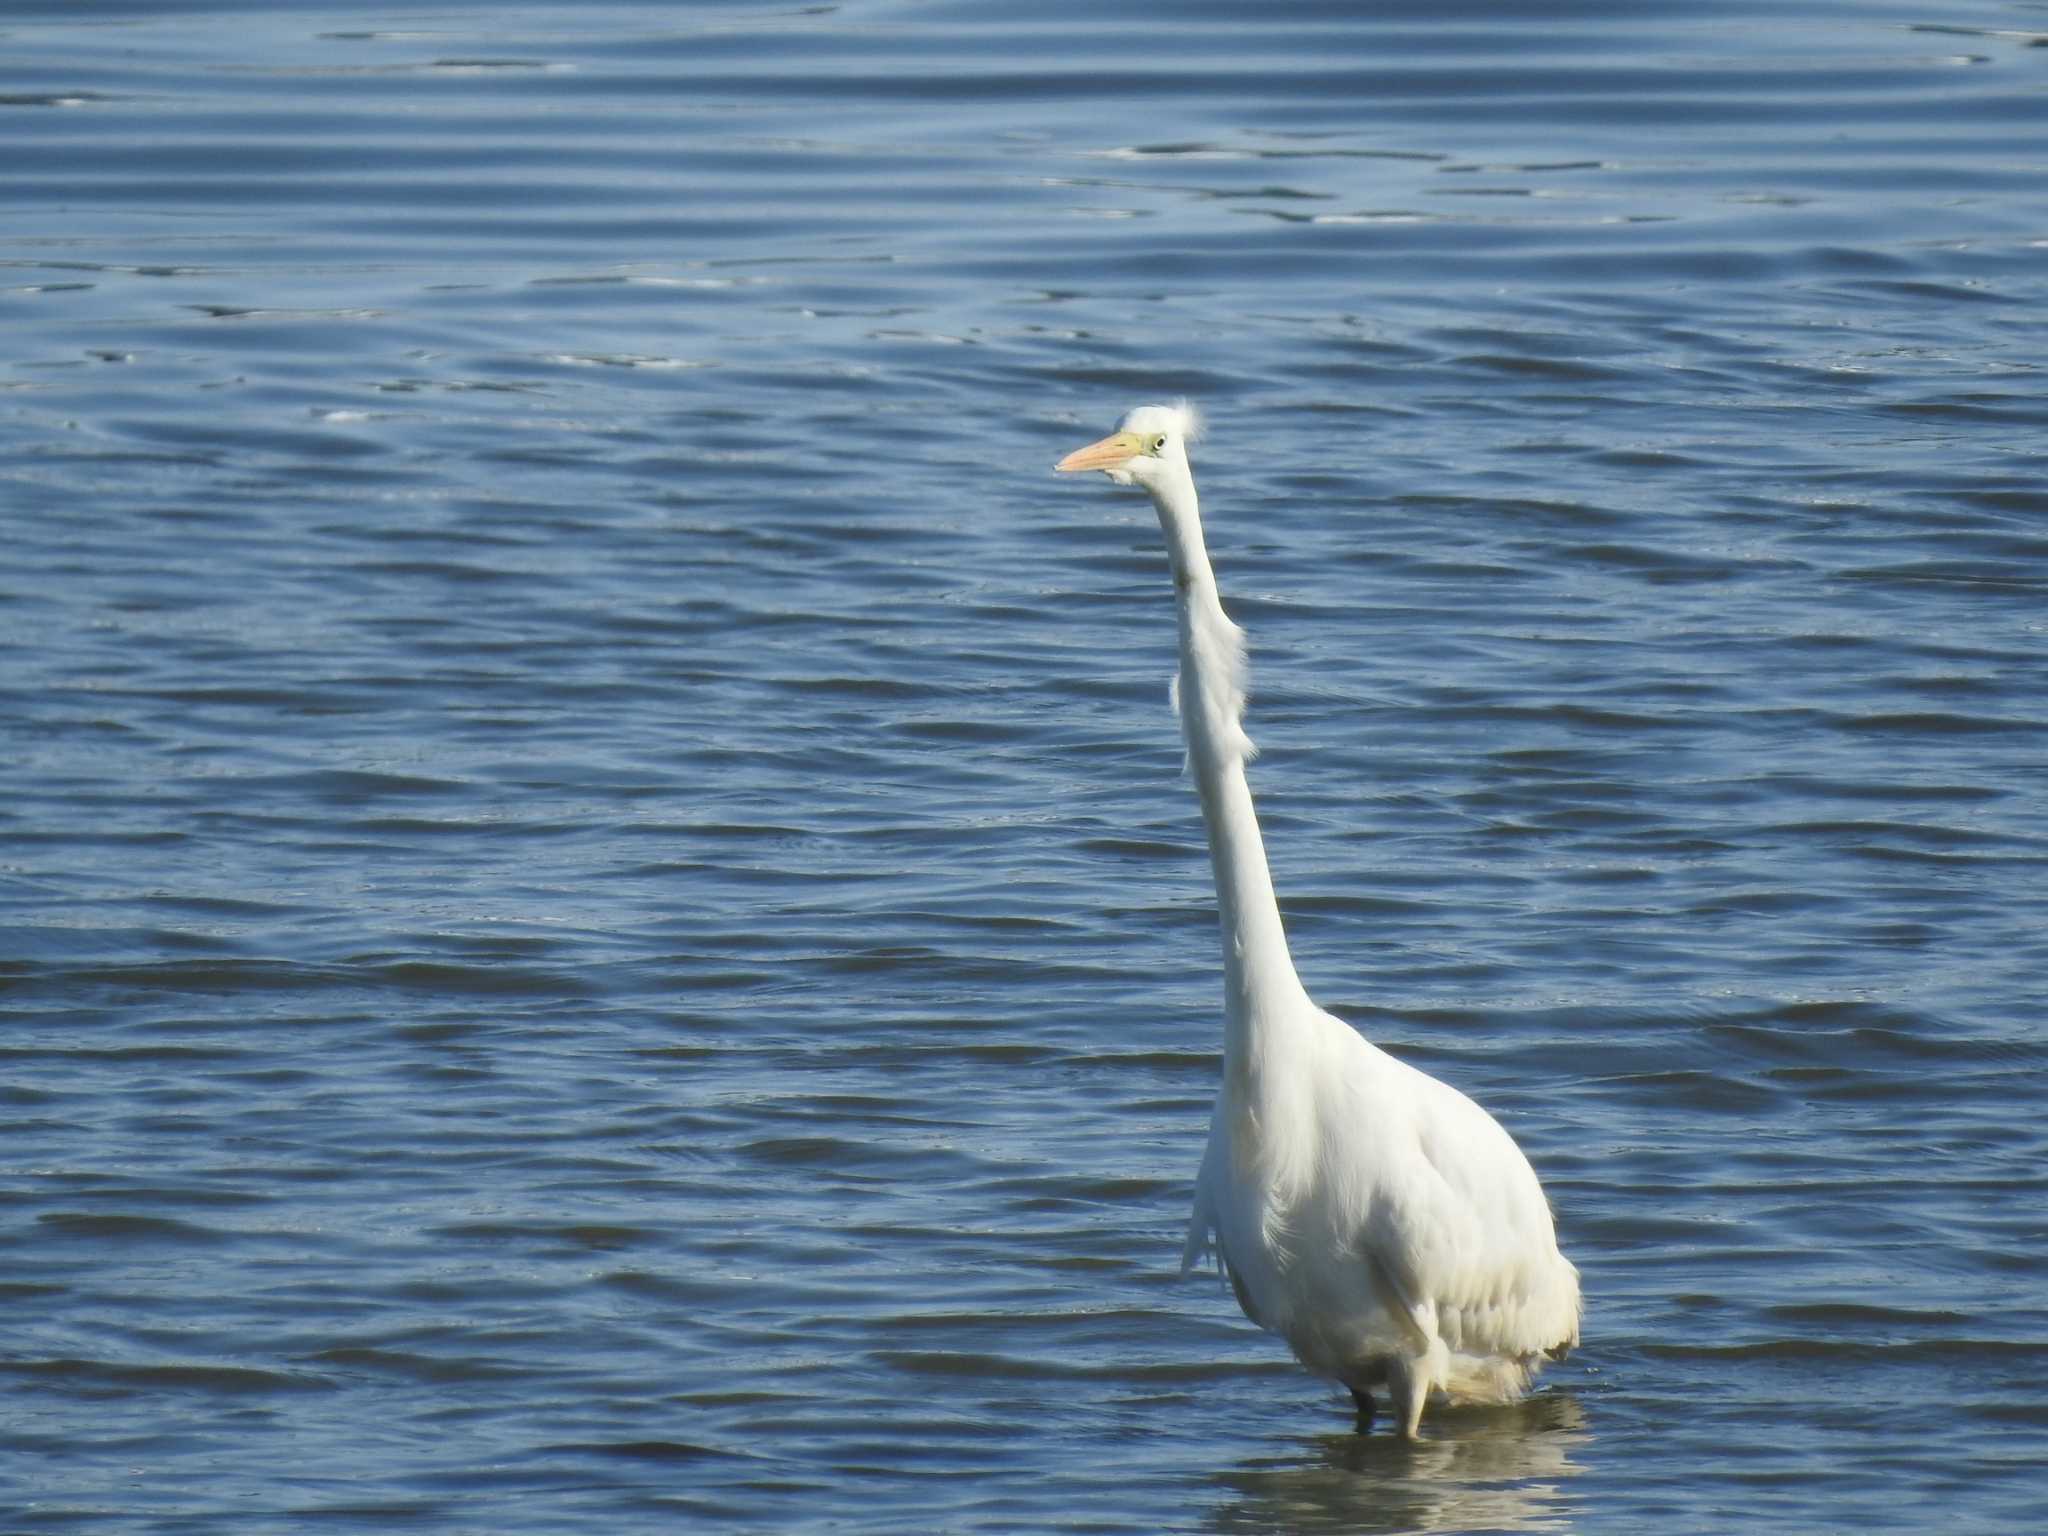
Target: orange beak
[{"x": 1113, "y": 450}]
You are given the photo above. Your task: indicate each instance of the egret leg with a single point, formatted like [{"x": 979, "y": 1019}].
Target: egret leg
[
  {"x": 1365, "y": 1409},
  {"x": 1408, "y": 1383}
]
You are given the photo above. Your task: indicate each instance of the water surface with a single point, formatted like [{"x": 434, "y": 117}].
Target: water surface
[{"x": 603, "y": 927}]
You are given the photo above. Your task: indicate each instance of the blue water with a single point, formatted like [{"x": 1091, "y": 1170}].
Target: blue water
[{"x": 603, "y": 930}]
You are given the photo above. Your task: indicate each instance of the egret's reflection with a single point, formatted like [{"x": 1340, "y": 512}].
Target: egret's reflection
[{"x": 1496, "y": 1469}]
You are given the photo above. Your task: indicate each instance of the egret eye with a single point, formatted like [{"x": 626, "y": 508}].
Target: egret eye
[{"x": 1159, "y": 442}]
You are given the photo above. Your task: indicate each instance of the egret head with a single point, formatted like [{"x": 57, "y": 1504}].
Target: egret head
[{"x": 1151, "y": 444}]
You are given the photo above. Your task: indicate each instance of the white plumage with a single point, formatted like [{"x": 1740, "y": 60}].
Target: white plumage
[{"x": 1378, "y": 1220}]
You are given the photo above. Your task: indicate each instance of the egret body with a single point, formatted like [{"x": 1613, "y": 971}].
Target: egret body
[{"x": 1378, "y": 1220}]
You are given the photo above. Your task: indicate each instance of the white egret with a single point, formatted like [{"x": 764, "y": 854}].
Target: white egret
[{"x": 1378, "y": 1220}]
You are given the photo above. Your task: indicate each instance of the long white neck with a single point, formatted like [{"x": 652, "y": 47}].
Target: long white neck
[{"x": 1259, "y": 983}]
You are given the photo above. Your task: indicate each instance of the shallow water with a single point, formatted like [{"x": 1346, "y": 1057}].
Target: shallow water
[{"x": 604, "y": 931}]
